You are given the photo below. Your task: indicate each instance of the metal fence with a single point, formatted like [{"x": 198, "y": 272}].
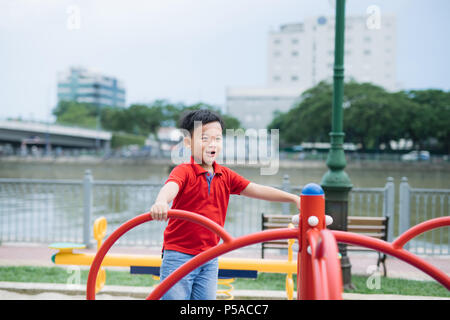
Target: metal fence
[
  {"x": 46, "y": 211},
  {"x": 417, "y": 205}
]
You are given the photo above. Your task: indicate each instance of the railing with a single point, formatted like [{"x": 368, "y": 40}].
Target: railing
[
  {"x": 417, "y": 205},
  {"x": 375, "y": 202},
  {"x": 45, "y": 211},
  {"x": 41, "y": 210}
]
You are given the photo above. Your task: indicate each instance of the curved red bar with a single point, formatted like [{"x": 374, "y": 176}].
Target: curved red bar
[
  {"x": 173, "y": 213},
  {"x": 388, "y": 248},
  {"x": 198, "y": 260},
  {"x": 327, "y": 250},
  {"x": 92, "y": 277},
  {"x": 420, "y": 228},
  {"x": 325, "y": 265},
  {"x": 313, "y": 238}
]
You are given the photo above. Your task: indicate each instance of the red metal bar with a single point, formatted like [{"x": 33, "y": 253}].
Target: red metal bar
[
  {"x": 388, "y": 248},
  {"x": 326, "y": 268},
  {"x": 198, "y": 260},
  {"x": 321, "y": 268},
  {"x": 327, "y": 251},
  {"x": 313, "y": 236},
  {"x": 92, "y": 277},
  {"x": 420, "y": 228},
  {"x": 173, "y": 213},
  {"x": 312, "y": 204}
]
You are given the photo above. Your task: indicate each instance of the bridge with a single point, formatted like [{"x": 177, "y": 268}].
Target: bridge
[{"x": 42, "y": 135}]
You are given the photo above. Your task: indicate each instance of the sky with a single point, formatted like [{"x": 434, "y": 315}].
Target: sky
[{"x": 185, "y": 50}]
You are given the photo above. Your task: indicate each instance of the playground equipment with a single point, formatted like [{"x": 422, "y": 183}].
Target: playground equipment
[
  {"x": 318, "y": 267},
  {"x": 229, "y": 268}
]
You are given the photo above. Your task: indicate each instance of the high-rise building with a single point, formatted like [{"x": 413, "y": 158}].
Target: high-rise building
[
  {"x": 300, "y": 55},
  {"x": 84, "y": 85},
  {"x": 254, "y": 106}
]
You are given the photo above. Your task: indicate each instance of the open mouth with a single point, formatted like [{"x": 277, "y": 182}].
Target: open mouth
[{"x": 211, "y": 153}]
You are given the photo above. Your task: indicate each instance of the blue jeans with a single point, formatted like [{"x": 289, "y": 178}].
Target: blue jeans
[{"x": 200, "y": 284}]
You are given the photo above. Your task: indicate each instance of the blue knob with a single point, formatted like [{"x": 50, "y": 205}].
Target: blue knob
[{"x": 312, "y": 189}]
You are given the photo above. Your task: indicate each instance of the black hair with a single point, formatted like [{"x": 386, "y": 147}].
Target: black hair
[{"x": 204, "y": 115}]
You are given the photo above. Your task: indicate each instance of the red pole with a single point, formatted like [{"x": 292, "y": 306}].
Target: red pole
[
  {"x": 229, "y": 243},
  {"x": 312, "y": 208}
]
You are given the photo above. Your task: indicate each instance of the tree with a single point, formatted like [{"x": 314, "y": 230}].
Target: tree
[
  {"x": 174, "y": 112},
  {"x": 75, "y": 113},
  {"x": 138, "y": 119},
  {"x": 430, "y": 120},
  {"x": 372, "y": 116},
  {"x": 309, "y": 120}
]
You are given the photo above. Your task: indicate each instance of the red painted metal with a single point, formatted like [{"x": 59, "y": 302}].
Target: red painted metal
[
  {"x": 327, "y": 252},
  {"x": 268, "y": 235},
  {"x": 397, "y": 251},
  {"x": 325, "y": 265},
  {"x": 320, "y": 267},
  {"x": 228, "y": 245},
  {"x": 310, "y": 206},
  {"x": 180, "y": 214},
  {"x": 420, "y": 228}
]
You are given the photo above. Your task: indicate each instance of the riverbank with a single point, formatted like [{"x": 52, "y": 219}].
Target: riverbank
[{"x": 282, "y": 164}]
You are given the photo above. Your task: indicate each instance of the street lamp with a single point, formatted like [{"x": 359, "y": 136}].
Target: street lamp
[{"x": 336, "y": 183}]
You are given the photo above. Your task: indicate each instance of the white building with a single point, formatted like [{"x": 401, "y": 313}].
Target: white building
[
  {"x": 300, "y": 55},
  {"x": 303, "y": 53},
  {"x": 254, "y": 106},
  {"x": 90, "y": 86}
]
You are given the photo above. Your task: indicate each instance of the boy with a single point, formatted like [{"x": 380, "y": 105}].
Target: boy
[{"x": 201, "y": 186}]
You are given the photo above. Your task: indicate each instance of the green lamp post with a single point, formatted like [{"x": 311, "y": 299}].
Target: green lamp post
[{"x": 336, "y": 182}]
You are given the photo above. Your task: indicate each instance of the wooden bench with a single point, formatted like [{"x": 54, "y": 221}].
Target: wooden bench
[{"x": 375, "y": 227}]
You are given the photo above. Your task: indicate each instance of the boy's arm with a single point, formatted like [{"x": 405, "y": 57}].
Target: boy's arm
[
  {"x": 167, "y": 193},
  {"x": 254, "y": 190}
]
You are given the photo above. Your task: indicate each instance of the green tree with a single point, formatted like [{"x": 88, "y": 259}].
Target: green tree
[
  {"x": 174, "y": 113},
  {"x": 309, "y": 120},
  {"x": 75, "y": 113},
  {"x": 372, "y": 116},
  {"x": 430, "y": 120},
  {"x": 138, "y": 119}
]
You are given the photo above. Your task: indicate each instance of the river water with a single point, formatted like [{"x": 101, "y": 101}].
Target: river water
[
  {"x": 361, "y": 174},
  {"x": 55, "y": 213}
]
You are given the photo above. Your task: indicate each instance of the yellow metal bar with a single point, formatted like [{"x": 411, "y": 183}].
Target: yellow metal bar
[
  {"x": 111, "y": 260},
  {"x": 123, "y": 260},
  {"x": 260, "y": 265}
]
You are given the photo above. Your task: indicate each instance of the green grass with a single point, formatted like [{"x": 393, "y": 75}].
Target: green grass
[{"x": 265, "y": 281}]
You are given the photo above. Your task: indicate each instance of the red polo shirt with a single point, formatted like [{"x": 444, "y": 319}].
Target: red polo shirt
[{"x": 210, "y": 201}]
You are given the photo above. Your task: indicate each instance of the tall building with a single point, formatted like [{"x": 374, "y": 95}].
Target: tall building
[
  {"x": 300, "y": 55},
  {"x": 84, "y": 85},
  {"x": 254, "y": 106}
]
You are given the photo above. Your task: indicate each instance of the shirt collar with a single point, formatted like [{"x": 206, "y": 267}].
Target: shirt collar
[{"x": 199, "y": 170}]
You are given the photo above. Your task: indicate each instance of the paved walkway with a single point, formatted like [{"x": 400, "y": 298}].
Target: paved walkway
[
  {"x": 45, "y": 291},
  {"x": 14, "y": 254}
]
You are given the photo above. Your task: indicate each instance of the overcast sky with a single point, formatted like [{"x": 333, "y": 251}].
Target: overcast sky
[{"x": 185, "y": 50}]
